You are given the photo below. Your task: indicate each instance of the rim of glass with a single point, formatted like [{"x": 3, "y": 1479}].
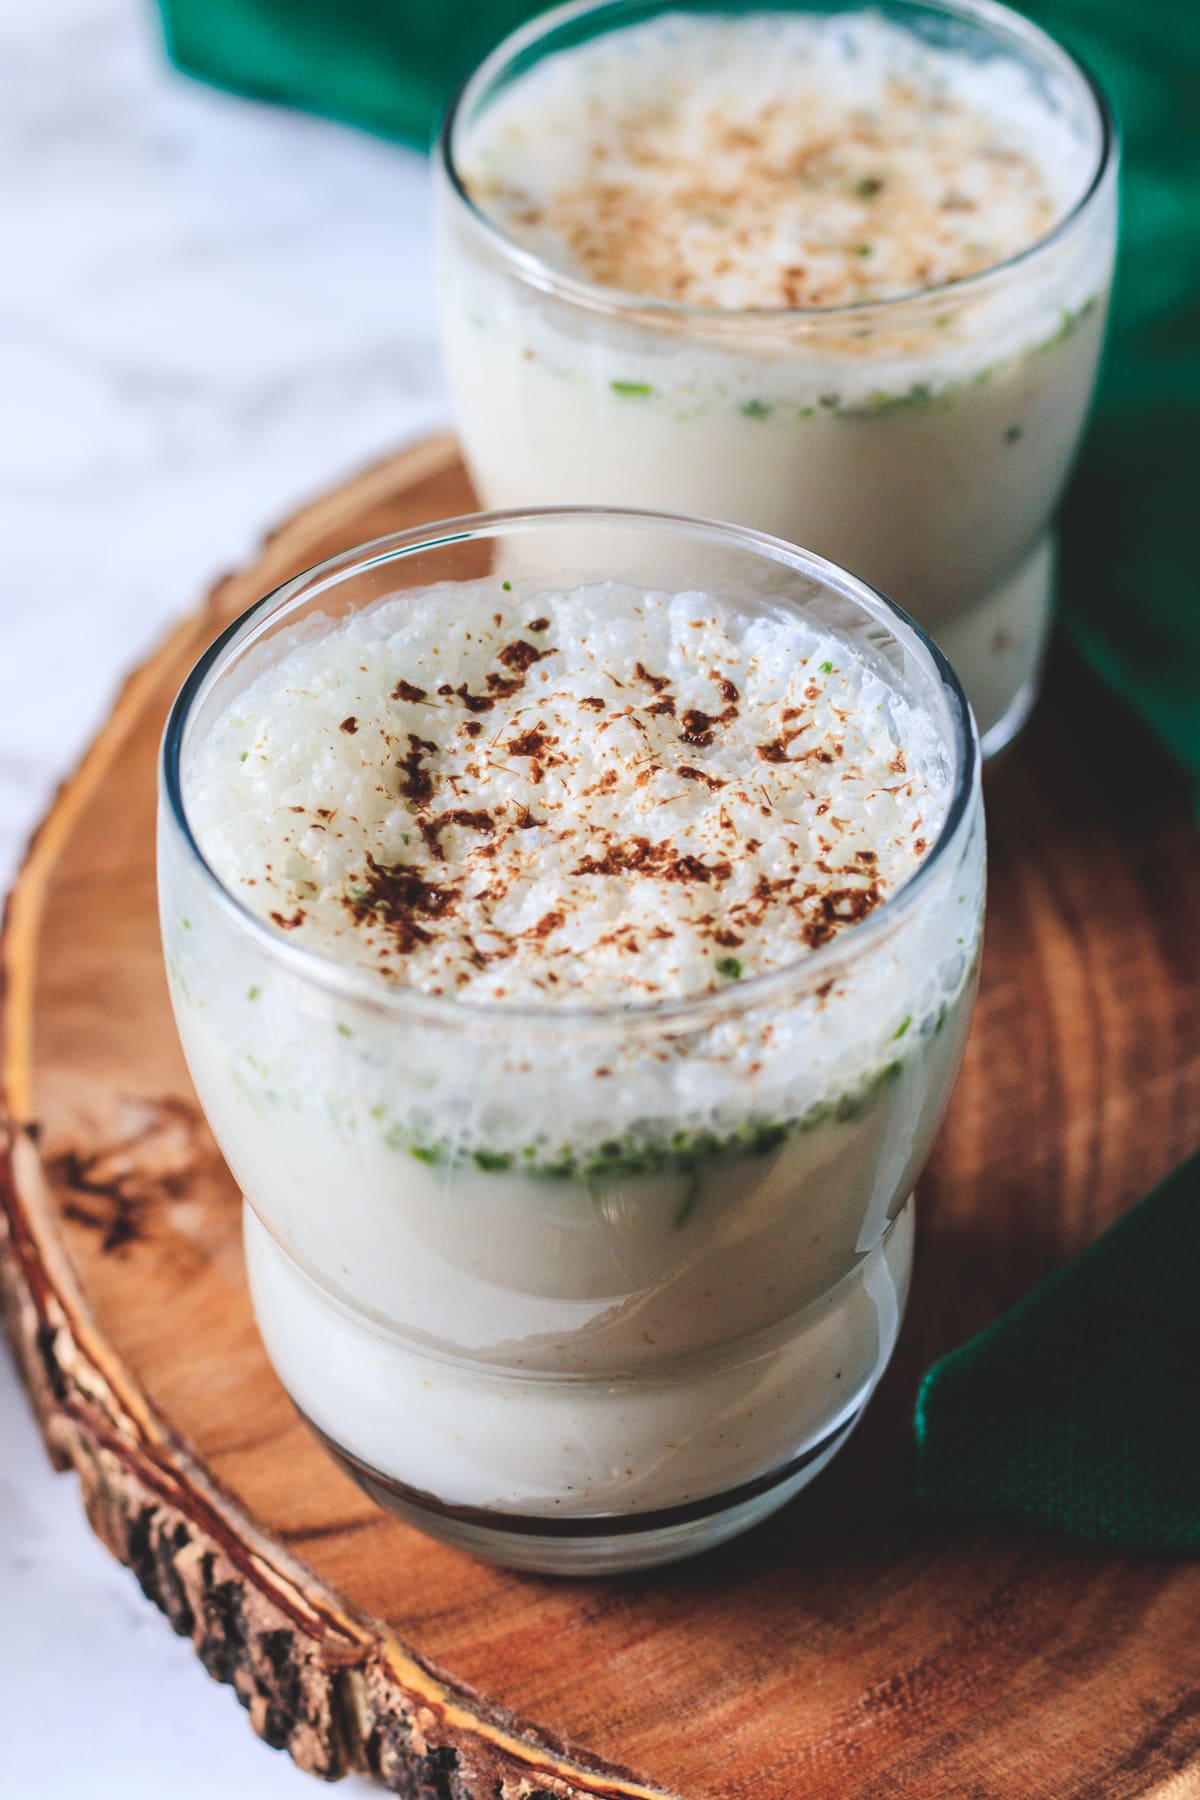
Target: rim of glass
[
  {"x": 1003, "y": 21},
  {"x": 352, "y": 982}
]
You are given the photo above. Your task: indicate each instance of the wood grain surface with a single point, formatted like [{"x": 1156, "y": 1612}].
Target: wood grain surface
[{"x": 848, "y": 1648}]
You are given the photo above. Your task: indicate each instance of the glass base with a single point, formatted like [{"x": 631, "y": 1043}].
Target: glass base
[
  {"x": 594, "y": 1544},
  {"x": 997, "y": 648}
]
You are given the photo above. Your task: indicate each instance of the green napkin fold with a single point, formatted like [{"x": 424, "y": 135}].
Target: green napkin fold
[
  {"x": 388, "y": 65},
  {"x": 1073, "y": 1409},
  {"x": 1130, "y": 584}
]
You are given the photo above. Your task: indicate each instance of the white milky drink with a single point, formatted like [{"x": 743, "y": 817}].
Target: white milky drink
[
  {"x": 550, "y": 963},
  {"x": 840, "y": 276}
]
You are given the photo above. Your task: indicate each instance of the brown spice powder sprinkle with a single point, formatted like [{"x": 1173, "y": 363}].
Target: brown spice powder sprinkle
[
  {"x": 696, "y": 728},
  {"x": 476, "y": 703},
  {"x": 728, "y": 168},
  {"x": 521, "y": 655},
  {"x": 535, "y": 837}
]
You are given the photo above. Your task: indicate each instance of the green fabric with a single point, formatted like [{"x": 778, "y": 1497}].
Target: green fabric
[
  {"x": 1077, "y": 1409},
  {"x": 1130, "y": 572},
  {"x": 389, "y": 65}
]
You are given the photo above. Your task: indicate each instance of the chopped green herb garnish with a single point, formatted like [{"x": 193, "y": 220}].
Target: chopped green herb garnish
[
  {"x": 187, "y": 924},
  {"x": 689, "y": 1202},
  {"x": 881, "y": 400},
  {"x": 253, "y": 993},
  {"x": 631, "y": 387},
  {"x": 868, "y": 187},
  {"x": 1068, "y": 320},
  {"x": 494, "y": 1161},
  {"x": 244, "y": 755},
  {"x": 756, "y": 409},
  {"x": 344, "y": 1030},
  {"x": 825, "y": 668},
  {"x": 862, "y": 249},
  {"x": 507, "y": 586},
  {"x": 1013, "y": 433},
  {"x": 762, "y": 1139},
  {"x": 684, "y": 1152},
  {"x": 406, "y": 838}
]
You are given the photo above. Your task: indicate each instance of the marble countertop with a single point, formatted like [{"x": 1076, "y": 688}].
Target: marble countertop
[{"x": 209, "y": 311}]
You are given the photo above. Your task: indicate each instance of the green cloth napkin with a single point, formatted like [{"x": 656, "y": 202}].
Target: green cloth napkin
[
  {"x": 1076, "y": 1409},
  {"x": 1067, "y": 1410},
  {"x": 390, "y": 65},
  {"x": 1130, "y": 572}
]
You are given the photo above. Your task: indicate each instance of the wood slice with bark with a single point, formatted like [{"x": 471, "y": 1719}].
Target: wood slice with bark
[{"x": 848, "y": 1648}]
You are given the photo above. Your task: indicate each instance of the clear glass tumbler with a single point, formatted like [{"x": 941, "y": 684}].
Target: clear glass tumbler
[
  {"x": 923, "y": 441},
  {"x": 579, "y": 1288}
]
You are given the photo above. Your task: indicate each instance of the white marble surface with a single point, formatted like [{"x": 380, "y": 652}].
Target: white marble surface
[{"x": 209, "y": 310}]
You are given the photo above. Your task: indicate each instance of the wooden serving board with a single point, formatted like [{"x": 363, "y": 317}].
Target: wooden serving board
[{"x": 848, "y": 1648}]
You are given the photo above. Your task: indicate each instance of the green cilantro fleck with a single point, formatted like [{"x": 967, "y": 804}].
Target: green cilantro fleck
[
  {"x": 1013, "y": 433},
  {"x": 689, "y": 1202},
  {"x": 407, "y": 839},
  {"x": 730, "y": 967},
  {"x": 507, "y": 586},
  {"x": 344, "y": 1030},
  {"x": 253, "y": 993},
  {"x": 756, "y": 409},
  {"x": 425, "y": 1153},
  {"x": 494, "y": 1161},
  {"x": 187, "y": 924},
  {"x": 868, "y": 187},
  {"x": 825, "y": 668},
  {"x": 902, "y": 1027},
  {"x": 862, "y": 249},
  {"x": 631, "y": 387},
  {"x": 761, "y": 1139},
  {"x": 244, "y": 755}
]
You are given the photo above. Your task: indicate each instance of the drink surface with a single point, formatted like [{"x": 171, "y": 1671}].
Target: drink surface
[
  {"x": 599, "y": 794},
  {"x": 774, "y": 161}
]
